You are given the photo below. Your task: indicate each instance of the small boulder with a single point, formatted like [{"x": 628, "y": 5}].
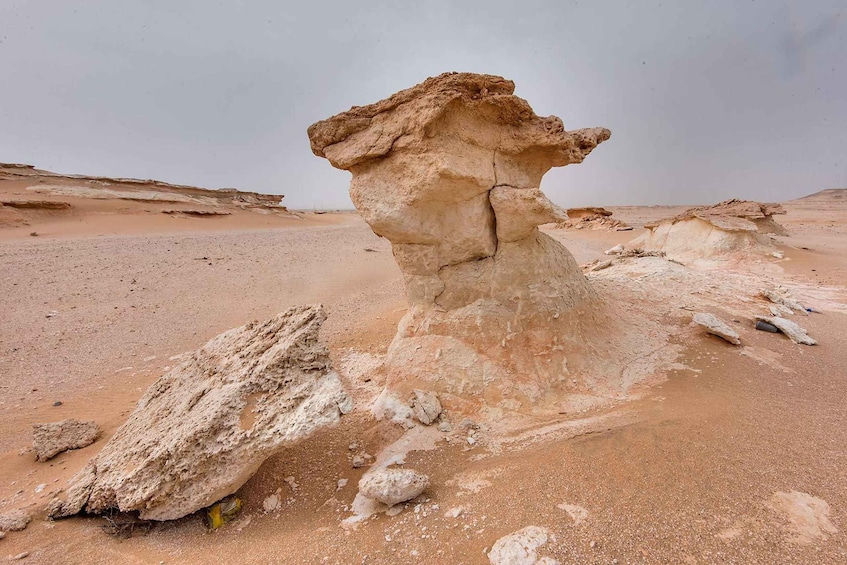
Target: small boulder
[
  {"x": 521, "y": 548},
  {"x": 616, "y": 250},
  {"x": 14, "y": 520},
  {"x": 48, "y": 440},
  {"x": 425, "y": 406},
  {"x": 716, "y": 327},
  {"x": 393, "y": 486}
]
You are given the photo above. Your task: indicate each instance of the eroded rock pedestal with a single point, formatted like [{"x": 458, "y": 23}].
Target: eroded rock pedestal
[{"x": 449, "y": 171}]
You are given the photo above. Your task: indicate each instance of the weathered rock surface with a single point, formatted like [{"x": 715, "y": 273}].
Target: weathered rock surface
[
  {"x": 48, "y": 440},
  {"x": 717, "y": 327},
  {"x": 204, "y": 428},
  {"x": 521, "y": 548},
  {"x": 14, "y": 520},
  {"x": 728, "y": 229},
  {"x": 393, "y": 486},
  {"x": 794, "y": 332},
  {"x": 449, "y": 171}
]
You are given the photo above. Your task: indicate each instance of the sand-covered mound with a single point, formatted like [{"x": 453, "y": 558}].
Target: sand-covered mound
[{"x": 727, "y": 230}]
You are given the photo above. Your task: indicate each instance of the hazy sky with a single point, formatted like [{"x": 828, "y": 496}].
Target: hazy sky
[{"x": 705, "y": 100}]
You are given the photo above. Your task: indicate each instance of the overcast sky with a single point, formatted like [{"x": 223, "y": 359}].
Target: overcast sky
[{"x": 706, "y": 100}]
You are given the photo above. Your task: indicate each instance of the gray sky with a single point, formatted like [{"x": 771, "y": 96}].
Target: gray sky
[{"x": 705, "y": 100}]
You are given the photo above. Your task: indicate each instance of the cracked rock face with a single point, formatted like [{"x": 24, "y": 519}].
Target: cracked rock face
[
  {"x": 449, "y": 172},
  {"x": 204, "y": 428}
]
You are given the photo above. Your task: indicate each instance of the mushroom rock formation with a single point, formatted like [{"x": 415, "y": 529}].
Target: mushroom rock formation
[
  {"x": 731, "y": 228},
  {"x": 449, "y": 172}
]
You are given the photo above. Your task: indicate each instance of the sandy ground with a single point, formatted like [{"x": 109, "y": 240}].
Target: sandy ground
[{"x": 685, "y": 473}]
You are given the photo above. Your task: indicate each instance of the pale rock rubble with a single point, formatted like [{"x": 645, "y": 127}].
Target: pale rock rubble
[
  {"x": 521, "y": 548},
  {"x": 715, "y": 326},
  {"x": 449, "y": 172},
  {"x": 48, "y": 440},
  {"x": 392, "y": 486},
  {"x": 204, "y": 428}
]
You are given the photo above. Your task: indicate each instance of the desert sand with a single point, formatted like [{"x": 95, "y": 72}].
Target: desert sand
[
  {"x": 692, "y": 451},
  {"x": 683, "y": 474}
]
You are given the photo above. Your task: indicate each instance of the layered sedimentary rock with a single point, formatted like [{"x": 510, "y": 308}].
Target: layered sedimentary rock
[
  {"x": 723, "y": 230},
  {"x": 204, "y": 428},
  {"x": 449, "y": 172}
]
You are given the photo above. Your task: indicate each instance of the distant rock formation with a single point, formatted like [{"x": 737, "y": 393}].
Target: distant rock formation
[
  {"x": 143, "y": 190},
  {"x": 725, "y": 230},
  {"x": 590, "y": 218},
  {"x": 204, "y": 428},
  {"x": 449, "y": 171}
]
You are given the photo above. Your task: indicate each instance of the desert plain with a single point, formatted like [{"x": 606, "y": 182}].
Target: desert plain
[{"x": 101, "y": 297}]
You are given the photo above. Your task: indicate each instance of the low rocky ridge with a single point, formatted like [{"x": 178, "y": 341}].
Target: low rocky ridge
[{"x": 204, "y": 428}]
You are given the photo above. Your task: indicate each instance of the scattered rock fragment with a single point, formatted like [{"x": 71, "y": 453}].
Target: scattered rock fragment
[
  {"x": 521, "y": 548},
  {"x": 19, "y": 556},
  {"x": 599, "y": 266},
  {"x": 204, "y": 428},
  {"x": 716, "y": 327},
  {"x": 780, "y": 298},
  {"x": 794, "y": 332},
  {"x": 616, "y": 250},
  {"x": 14, "y": 520},
  {"x": 425, "y": 406},
  {"x": 48, "y": 440},
  {"x": 780, "y": 310},
  {"x": 273, "y": 502},
  {"x": 393, "y": 486}
]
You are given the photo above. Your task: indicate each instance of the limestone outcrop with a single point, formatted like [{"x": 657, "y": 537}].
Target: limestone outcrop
[
  {"x": 204, "y": 428},
  {"x": 449, "y": 172},
  {"x": 726, "y": 230},
  {"x": 591, "y": 218}
]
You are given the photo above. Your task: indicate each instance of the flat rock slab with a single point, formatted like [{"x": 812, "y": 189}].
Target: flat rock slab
[
  {"x": 204, "y": 428},
  {"x": 49, "y": 440},
  {"x": 794, "y": 332},
  {"x": 716, "y": 326}
]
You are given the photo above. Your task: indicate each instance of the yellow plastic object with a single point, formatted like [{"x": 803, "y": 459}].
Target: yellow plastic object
[{"x": 223, "y": 511}]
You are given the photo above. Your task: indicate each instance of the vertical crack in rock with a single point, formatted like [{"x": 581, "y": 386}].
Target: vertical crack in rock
[{"x": 488, "y": 291}]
